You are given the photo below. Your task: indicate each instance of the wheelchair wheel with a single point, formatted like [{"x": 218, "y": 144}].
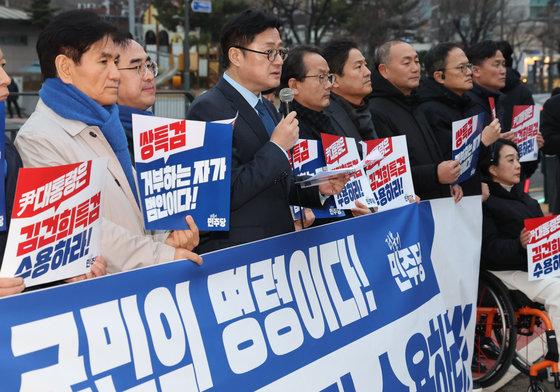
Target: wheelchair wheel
[
  {"x": 531, "y": 343},
  {"x": 537, "y": 387},
  {"x": 495, "y": 335}
]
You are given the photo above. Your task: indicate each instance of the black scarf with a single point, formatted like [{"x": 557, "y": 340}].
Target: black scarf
[
  {"x": 360, "y": 116},
  {"x": 318, "y": 122}
]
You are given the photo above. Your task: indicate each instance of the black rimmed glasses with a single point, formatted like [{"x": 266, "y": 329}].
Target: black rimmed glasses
[
  {"x": 463, "y": 67},
  {"x": 143, "y": 68},
  {"x": 323, "y": 78},
  {"x": 271, "y": 54}
]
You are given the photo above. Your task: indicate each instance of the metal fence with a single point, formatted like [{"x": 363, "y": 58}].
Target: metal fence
[{"x": 171, "y": 104}]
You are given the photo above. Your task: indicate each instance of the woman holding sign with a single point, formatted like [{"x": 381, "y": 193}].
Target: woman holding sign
[
  {"x": 12, "y": 162},
  {"x": 504, "y": 238}
]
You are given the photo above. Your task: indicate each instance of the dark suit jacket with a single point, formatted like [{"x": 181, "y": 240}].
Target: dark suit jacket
[{"x": 262, "y": 186}]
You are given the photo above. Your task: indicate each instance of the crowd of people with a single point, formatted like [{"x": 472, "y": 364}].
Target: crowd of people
[{"x": 96, "y": 76}]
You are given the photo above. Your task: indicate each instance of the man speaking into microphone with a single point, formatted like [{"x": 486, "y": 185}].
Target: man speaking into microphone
[{"x": 262, "y": 187}]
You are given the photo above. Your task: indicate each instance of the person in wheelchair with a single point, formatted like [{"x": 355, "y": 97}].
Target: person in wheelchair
[{"x": 504, "y": 238}]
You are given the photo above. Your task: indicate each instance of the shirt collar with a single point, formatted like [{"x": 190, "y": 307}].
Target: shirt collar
[{"x": 249, "y": 96}]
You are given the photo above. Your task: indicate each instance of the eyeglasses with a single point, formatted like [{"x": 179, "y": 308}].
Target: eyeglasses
[
  {"x": 463, "y": 67},
  {"x": 323, "y": 78},
  {"x": 143, "y": 68},
  {"x": 271, "y": 54}
]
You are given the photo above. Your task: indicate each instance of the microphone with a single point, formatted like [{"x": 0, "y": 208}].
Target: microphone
[{"x": 286, "y": 96}]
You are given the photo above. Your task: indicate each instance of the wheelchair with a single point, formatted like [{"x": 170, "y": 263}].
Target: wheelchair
[{"x": 511, "y": 329}]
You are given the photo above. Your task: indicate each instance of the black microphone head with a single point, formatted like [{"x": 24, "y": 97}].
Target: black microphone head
[{"x": 286, "y": 95}]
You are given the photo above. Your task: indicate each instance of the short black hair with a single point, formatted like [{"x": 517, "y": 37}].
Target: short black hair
[
  {"x": 241, "y": 29},
  {"x": 436, "y": 58},
  {"x": 481, "y": 51},
  {"x": 383, "y": 52},
  {"x": 336, "y": 53},
  {"x": 493, "y": 159},
  {"x": 507, "y": 51},
  {"x": 293, "y": 66},
  {"x": 70, "y": 33},
  {"x": 555, "y": 91}
]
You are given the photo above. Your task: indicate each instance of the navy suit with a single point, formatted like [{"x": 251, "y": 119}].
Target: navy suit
[{"x": 262, "y": 186}]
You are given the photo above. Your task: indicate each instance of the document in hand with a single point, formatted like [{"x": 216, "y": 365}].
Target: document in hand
[
  {"x": 525, "y": 125},
  {"x": 183, "y": 168},
  {"x": 466, "y": 144},
  {"x": 341, "y": 153},
  {"x": 309, "y": 162},
  {"x": 55, "y": 231},
  {"x": 543, "y": 249},
  {"x": 388, "y": 169}
]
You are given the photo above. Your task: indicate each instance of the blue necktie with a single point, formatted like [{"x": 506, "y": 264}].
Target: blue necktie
[{"x": 268, "y": 122}]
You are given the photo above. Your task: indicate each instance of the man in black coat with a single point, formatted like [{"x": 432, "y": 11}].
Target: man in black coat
[
  {"x": 307, "y": 73},
  {"x": 489, "y": 76},
  {"x": 449, "y": 77},
  {"x": 262, "y": 186},
  {"x": 516, "y": 92},
  {"x": 394, "y": 107},
  {"x": 348, "y": 109}
]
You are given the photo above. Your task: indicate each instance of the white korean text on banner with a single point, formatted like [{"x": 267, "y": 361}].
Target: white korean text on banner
[
  {"x": 3, "y": 168},
  {"x": 308, "y": 160},
  {"x": 390, "y": 178},
  {"x": 341, "y": 152},
  {"x": 183, "y": 168},
  {"x": 543, "y": 249},
  {"x": 466, "y": 144},
  {"x": 525, "y": 125},
  {"x": 55, "y": 231},
  {"x": 355, "y": 304}
]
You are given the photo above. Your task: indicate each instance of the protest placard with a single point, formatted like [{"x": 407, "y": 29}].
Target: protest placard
[
  {"x": 309, "y": 160},
  {"x": 341, "y": 153},
  {"x": 390, "y": 178},
  {"x": 183, "y": 168},
  {"x": 355, "y": 304},
  {"x": 466, "y": 144},
  {"x": 525, "y": 125},
  {"x": 55, "y": 231},
  {"x": 543, "y": 249}
]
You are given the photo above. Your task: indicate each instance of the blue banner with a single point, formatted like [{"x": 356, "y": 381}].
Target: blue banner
[
  {"x": 183, "y": 168},
  {"x": 354, "y": 303}
]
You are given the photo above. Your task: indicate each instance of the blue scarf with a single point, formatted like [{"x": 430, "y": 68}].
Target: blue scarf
[
  {"x": 69, "y": 102},
  {"x": 125, "y": 115}
]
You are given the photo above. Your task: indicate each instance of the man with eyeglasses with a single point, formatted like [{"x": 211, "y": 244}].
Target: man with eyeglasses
[
  {"x": 137, "y": 87},
  {"x": 394, "y": 107},
  {"x": 262, "y": 186},
  {"x": 352, "y": 84},
  {"x": 307, "y": 73},
  {"x": 489, "y": 76},
  {"x": 449, "y": 77}
]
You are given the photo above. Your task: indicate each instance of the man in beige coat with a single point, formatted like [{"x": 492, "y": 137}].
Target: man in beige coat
[{"x": 76, "y": 119}]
